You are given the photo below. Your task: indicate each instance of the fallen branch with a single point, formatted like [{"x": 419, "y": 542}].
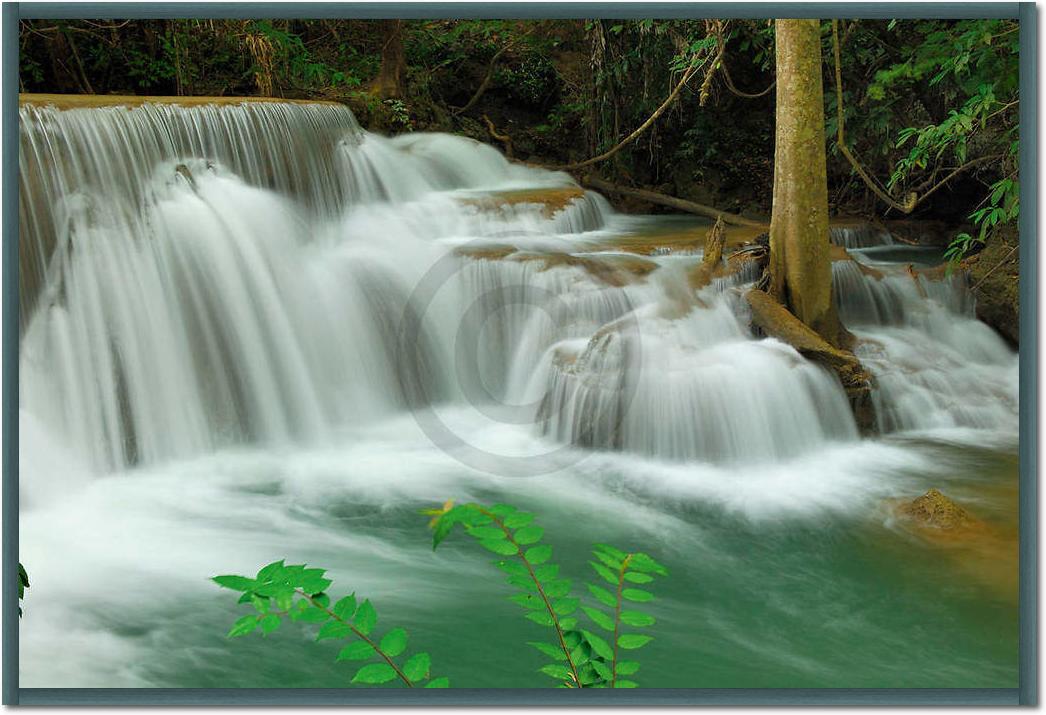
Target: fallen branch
[
  {"x": 505, "y": 139},
  {"x": 671, "y": 202}
]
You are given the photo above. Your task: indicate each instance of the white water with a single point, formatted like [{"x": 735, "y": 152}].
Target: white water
[{"x": 215, "y": 354}]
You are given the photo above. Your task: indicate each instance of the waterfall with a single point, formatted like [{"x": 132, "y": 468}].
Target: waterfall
[{"x": 196, "y": 278}]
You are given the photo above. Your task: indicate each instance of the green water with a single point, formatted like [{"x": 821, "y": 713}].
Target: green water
[{"x": 832, "y": 597}]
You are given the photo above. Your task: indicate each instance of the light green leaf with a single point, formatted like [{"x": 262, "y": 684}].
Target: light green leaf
[
  {"x": 565, "y": 606},
  {"x": 374, "y": 673},
  {"x": 529, "y": 535},
  {"x": 636, "y": 618},
  {"x": 625, "y": 684},
  {"x": 539, "y": 554},
  {"x": 600, "y": 646},
  {"x": 609, "y": 560},
  {"x": 546, "y": 572},
  {"x": 513, "y": 568},
  {"x": 261, "y": 605},
  {"x": 357, "y": 650},
  {"x": 599, "y": 618},
  {"x": 552, "y": 651},
  {"x": 243, "y": 626},
  {"x": 518, "y": 520},
  {"x": 631, "y": 641},
  {"x": 636, "y": 577},
  {"x": 417, "y": 667},
  {"x": 524, "y": 582},
  {"x": 502, "y": 510},
  {"x": 540, "y": 617},
  {"x": 556, "y": 589},
  {"x": 604, "y": 596},
  {"x": 559, "y": 672},
  {"x": 345, "y": 607},
  {"x": 487, "y": 532},
  {"x": 333, "y": 629},
  {"x": 269, "y": 623},
  {"x": 366, "y": 618},
  {"x": 236, "y": 583},
  {"x": 504, "y": 548},
  {"x": 608, "y": 549},
  {"x": 627, "y": 667},
  {"x": 394, "y": 642},
  {"x": 637, "y": 595},
  {"x": 268, "y": 573},
  {"x": 568, "y": 624},
  {"x": 608, "y": 575},
  {"x": 603, "y": 669},
  {"x": 642, "y": 562},
  {"x": 438, "y": 683},
  {"x": 528, "y": 600}
]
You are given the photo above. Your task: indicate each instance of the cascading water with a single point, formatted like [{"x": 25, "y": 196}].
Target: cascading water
[{"x": 215, "y": 360}]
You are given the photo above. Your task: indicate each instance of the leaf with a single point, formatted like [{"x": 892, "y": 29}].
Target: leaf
[
  {"x": 333, "y": 629},
  {"x": 528, "y": 600},
  {"x": 310, "y": 614},
  {"x": 581, "y": 654},
  {"x": 608, "y": 560},
  {"x": 236, "y": 583},
  {"x": 539, "y": 554},
  {"x": 417, "y": 667},
  {"x": 635, "y": 618},
  {"x": 529, "y": 535},
  {"x": 565, "y": 606},
  {"x": 631, "y": 641},
  {"x": 558, "y": 588},
  {"x": 604, "y": 596},
  {"x": 600, "y": 646},
  {"x": 568, "y": 624},
  {"x": 625, "y": 684},
  {"x": 345, "y": 607},
  {"x": 599, "y": 618},
  {"x": 546, "y": 572},
  {"x": 513, "y": 568},
  {"x": 366, "y": 618},
  {"x": 637, "y": 595},
  {"x": 357, "y": 650},
  {"x": 627, "y": 667},
  {"x": 487, "y": 532},
  {"x": 642, "y": 562},
  {"x": 394, "y": 642},
  {"x": 554, "y": 652},
  {"x": 269, "y": 623},
  {"x": 608, "y": 549},
  {"x": 519, "y": 519},
  {"x": 636, "y": 577},
  {"x": 608, "y": 575},
  {"x": 269, "y": 572},
  {"x": 438, "y": 683},
  {"x": 374, "y": 673},
  {"x": 243, "y": 626},
  {"x": 502, "y": 510},
  {"x": 524, "y": 582},
  {"x": 504, "y": 548},
  {"x": 261, "y": 605},
  {"x": 603, "y": 669},
  {"x": 559, "y": 672},
  {"x": 539, "y": 617}
]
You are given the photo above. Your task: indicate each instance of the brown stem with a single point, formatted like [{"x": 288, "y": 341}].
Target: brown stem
[
  {"x": 541, "y": 592},
  {"x": 617, "y": 617},
  {"x": 358, "y": 633}
]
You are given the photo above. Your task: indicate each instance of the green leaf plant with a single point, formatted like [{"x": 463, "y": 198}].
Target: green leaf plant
[
  {"x": 582, "y": 655},
  {"x": 296, "y": 592},
  {"x": 581, "y": 658}
]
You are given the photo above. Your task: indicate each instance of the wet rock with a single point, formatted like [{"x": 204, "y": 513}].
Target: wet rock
[
  {"x": 938, "y": 511},
  {"x": 995, "y": 283},
  {"x": 774, "y": 320},
  {"x": 552, "y": 200}
]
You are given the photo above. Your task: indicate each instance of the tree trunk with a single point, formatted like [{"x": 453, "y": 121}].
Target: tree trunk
[
  {"x": 389, "y": 82},
  {"x": 800, "y": 264}
]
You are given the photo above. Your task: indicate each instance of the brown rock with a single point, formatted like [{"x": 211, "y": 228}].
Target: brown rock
[{"x": 936, "y": 510}]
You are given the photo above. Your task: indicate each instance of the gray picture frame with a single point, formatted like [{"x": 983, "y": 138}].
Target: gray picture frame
[{"x": 1025, "y": 694}]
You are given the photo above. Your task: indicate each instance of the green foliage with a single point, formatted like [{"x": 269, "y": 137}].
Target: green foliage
[
  {"x": 581, "y": 656},
  {"x": 296, "y": 592}
]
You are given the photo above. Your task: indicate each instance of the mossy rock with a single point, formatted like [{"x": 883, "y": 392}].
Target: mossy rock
[{"x": 938, "y": 511}]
